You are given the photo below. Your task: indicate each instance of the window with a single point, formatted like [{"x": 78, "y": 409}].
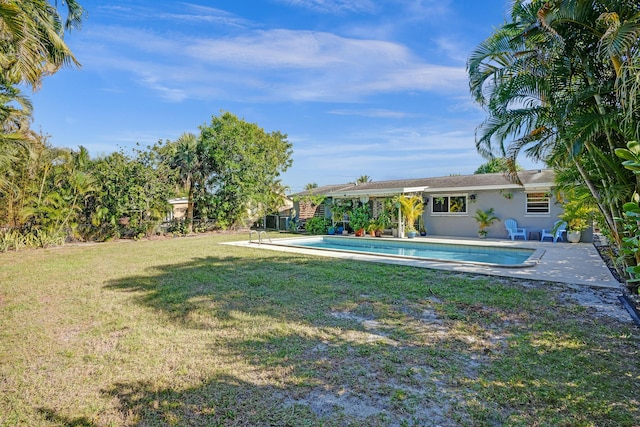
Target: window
[
  {"x": 449, "y": 204},
  {"x": 538, "y": 203}
]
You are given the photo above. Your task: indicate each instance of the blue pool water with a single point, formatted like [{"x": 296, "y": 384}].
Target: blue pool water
[{"x": 486, "y": 255}]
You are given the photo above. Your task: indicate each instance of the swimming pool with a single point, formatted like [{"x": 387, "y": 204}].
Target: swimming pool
[{"x": 402, "y": 248}]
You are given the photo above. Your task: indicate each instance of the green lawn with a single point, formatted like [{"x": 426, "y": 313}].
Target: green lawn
[{"x": 190, "y": 332}]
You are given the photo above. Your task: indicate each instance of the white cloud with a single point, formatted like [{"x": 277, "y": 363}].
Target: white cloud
[
  {"x": 170, "y": 94},
  {"x": 189, "y": 13},
  {"x": 284, "y": 49},
  {"x": 387, "y": 144},
  {"x": 452, "y": 49},
  {"x": 334, "y": 6},
  {"x": 266, "y": 65}
]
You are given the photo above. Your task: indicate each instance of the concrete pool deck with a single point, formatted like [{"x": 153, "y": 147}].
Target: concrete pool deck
[{"x": 571, "y": 263}]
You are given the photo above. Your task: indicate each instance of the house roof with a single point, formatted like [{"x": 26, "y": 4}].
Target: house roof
[
  {"x": 179, "y": 201},
  {"x": 323, "y": 190},
  {"x": 531, "y": 180}
]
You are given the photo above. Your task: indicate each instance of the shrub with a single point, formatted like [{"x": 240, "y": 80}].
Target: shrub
[
  {"x": 38, "y": 238},
  {"x": 317, "y": 225}
]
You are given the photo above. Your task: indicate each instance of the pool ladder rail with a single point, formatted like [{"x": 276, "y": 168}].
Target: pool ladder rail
[{"x": 260, "y": 234}]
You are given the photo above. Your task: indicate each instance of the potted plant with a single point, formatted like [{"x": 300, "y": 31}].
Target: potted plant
[
  {"x": 577, "y": 215},
  {"x": 372, "y": 226},
  {"x": 338, "y": 211},
  {"x": 423, "y": 230},
  {"x": 411, "y": 207},
  {"x": 359, "y": 219},
  {"x": 485, "y": 219},
  {"x": 380, "y": 223}
]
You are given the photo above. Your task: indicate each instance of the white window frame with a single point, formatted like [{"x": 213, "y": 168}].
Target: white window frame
[
  {"x": 449, "y": 196},
  {"x": 537, "y": 198}
]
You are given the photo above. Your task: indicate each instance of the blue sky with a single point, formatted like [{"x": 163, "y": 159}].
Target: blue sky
[{"x": 361, "y": 87}]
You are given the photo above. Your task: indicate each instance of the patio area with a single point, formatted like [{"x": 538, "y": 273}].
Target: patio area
[{"x": 570, "y": 263}]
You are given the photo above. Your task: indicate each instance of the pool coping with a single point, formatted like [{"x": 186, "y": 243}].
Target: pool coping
[
  {"x": 531, "y": 261},
  {"x": 569, "y": 263}
]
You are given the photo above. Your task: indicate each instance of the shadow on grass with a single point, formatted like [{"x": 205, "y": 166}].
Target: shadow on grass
[
  {"x": 53, "y": 416},
  {"x": 324, "y": 334},
  {"x": 222, "y": 400},
  {"x": 295, "y": 289},
  {"x": 421, "y": 367}
]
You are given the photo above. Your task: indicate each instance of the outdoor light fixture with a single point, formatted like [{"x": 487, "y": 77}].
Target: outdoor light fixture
[{"x": 472, "y": 197}]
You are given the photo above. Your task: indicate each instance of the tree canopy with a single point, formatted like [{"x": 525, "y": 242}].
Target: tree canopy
[
  {"x": 229, "y": 172},
  {"x": 241, "y": 162},
  {"x": 496, "y": 165}
]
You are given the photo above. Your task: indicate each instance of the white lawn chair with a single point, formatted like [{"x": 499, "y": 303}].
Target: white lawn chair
[
  {"x": 513, "y": 230},
  {"x": 559, "y": 227}
]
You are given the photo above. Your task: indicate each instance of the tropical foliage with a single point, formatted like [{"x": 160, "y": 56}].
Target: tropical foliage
[
  {"x": 577, "y": 215},
  {"x": 485, "y": 219},
  {"x": 411, "y": 206},
  {"x": 310, "y": 186},
  {"x": 133, "y": 195},
  {"x": 362, "y": 179},
  {"x": 43, "y": 191},
  {"x": 317, "y": 225},
  {"x": 41, "y": 188},
  {"x": 559, "y": 82},
  {"x": 359, "y": 217},
  {"x": 49, "y": 195},
  {"x": 497, "y": 165},
  {"x": 32, "y": 39}
]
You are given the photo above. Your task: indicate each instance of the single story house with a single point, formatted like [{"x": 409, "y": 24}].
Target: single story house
[{"x": 452, "y": 201}]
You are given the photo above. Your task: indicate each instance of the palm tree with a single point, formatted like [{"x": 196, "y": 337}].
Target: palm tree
[
  {"x": 276, "y": 196},
  {"x": 31, "y": 47},
  {"x": 362, "y": 179},
  {"x": 548, "y": 82},
  {"x": 310, "y": 186},
  {"x": 188, "y": 164},
  {"x": 15, "y": 136},
  {"x": 58, "y": 183},
  {"x": 31, "y": 34},
  {"x": 13, "y": 165},
  {"x": 412, "y": 206}
]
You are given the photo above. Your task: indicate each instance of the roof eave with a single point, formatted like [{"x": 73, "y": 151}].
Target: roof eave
[
  {"x": 491, "y": 187},
  {"x": 379, "y": 192}
]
